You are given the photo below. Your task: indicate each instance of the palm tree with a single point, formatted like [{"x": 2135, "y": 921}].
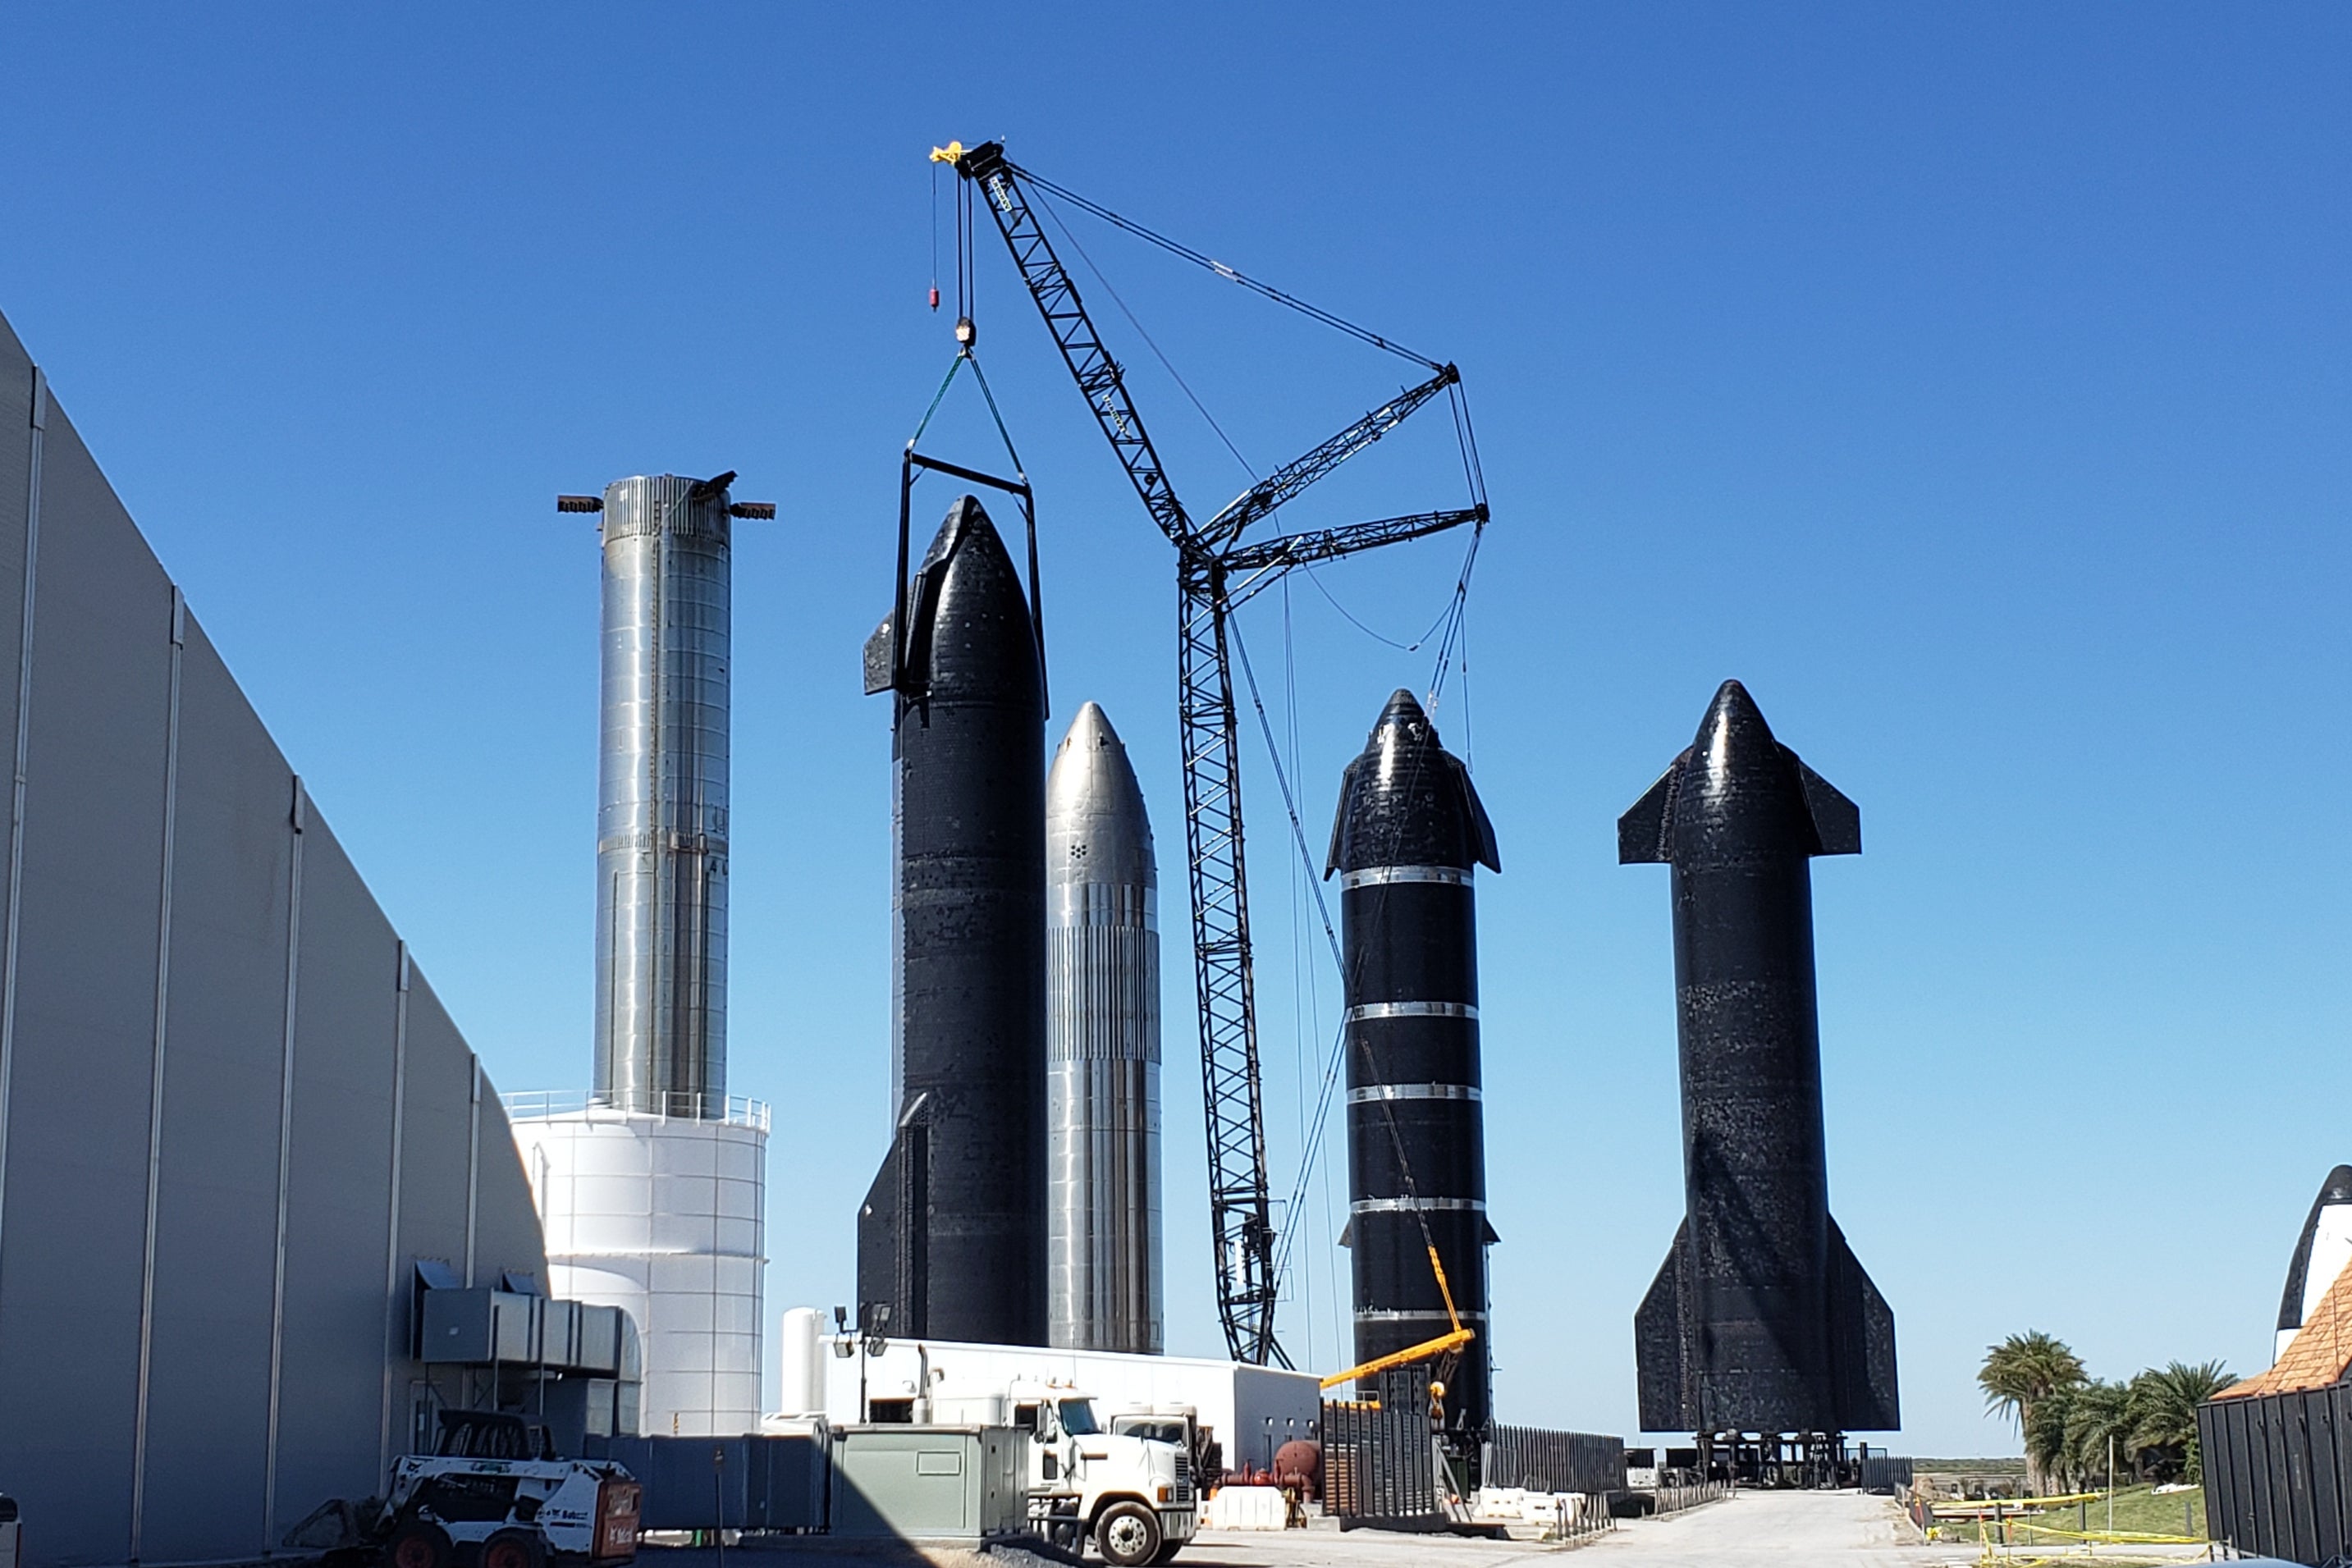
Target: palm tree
[
  {"x": 2166, "y": 1404},
  {"x": 2099, "y": 1421},
  {"x": 2046, "y": 1466},
  {"x": 2018, "y": 1374}
]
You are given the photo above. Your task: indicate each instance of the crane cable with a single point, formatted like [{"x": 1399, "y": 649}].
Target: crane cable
[
  {"x": 1150, "y": 341},
  {"x": 1176, "y": 247}
]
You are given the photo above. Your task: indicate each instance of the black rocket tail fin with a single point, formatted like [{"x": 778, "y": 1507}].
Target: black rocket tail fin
[
  {"x": 1837, "y": 821},
  {"x": 894, "y": 1238},
  {"x": 1662, "y": 1346},
  {"x": 1862, "y": 1345},
  {"x": 878, "y": 1244},
  {"x": 1642, "y": 830}
]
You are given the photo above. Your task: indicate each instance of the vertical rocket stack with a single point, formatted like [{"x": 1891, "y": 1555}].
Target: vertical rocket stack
[
  {"x": 951, "y": 1237},
  {"x": 652, "y": 1185},
  {"x": 1102, "y": 1048},
  {"x": 1761, "y": 1320},
  {"x": 661, "y": 798},
  {"x": 1407, "y": 840}
]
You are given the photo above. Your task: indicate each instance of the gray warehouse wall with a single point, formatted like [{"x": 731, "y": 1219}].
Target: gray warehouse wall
[{"x": 233, "y": 1117}]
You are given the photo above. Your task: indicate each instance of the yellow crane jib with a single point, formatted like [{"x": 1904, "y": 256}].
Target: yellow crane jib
[
  {"x": 1453, "y": 1339},
  {"x": 1426, "y": 1350}
]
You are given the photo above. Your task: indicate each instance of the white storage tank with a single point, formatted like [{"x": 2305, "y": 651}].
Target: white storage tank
[
  {"x": 801, "y": 1374},
  {"x": 662, "y": 1217}
]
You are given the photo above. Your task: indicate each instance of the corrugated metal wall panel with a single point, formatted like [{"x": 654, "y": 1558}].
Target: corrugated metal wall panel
[
  {"x": 208, "y": 1397},
  {"x": 346, "y": 1001},
  {"x": 82, "y": 1064}
]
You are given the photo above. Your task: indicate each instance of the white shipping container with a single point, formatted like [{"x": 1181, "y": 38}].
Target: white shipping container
[{"x": 1250, "y": 1411}]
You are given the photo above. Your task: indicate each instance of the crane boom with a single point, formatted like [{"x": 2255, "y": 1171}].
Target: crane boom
[
  {"x": 1214, "y": 575},
  {"x": 1261, "y": 499},
  {"x": 1098, "y": 374}
]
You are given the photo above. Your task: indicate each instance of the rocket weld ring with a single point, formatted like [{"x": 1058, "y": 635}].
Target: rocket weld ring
[
  {"x": 1417, "y": 1205},
  {"x": 1376, "y": 1092},
  {"x": 1370, "y": 1011},
  {"x": 1378, "y": 875}
]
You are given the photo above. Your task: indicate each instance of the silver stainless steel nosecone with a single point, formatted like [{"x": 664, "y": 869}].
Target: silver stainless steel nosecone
[{"x": 1102, "y": 1038}]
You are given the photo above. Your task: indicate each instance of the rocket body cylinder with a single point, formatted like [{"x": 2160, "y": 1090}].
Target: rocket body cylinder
[
  {"x": 951, "y": 1237},
  {"x": 661, "y": 811},
  {"x": 1761, "y": 1319},
  {"x": 1102, "y": 1048},
  {"x": 1406, "y": 842}
]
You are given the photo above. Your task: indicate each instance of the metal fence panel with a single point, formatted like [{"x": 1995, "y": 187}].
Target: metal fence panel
[
  {"x": 2328, "y": 1522},
  {"x": 1883, "y": 1473},
  {"x": 2278, "y": 1473},
  {"x": 1378, "y": 1461},
  {"x": 2277, "y": 1534},
  {"x": 2296, "y": 1442},
  {"x": 1541, "y": 1460},
  {"x": 2246, "y": 1473}
]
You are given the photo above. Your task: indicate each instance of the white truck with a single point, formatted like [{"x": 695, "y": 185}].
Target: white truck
[
  {"x": 1128, "y": 1488},
  {"x": 1130, "y": 1484}
]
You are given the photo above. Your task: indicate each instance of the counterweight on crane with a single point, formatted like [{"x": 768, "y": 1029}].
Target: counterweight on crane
[{"x": 1216, "y": 573}]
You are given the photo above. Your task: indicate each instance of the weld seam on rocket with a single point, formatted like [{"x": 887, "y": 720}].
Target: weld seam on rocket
[
  {"x": 1381, "y": 876},
  {"x": 1375, "y": 1091},
  {"x": 1367, "y": 1011}
]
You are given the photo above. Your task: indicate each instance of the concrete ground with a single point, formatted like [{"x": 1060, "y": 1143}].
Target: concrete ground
[{"x": 1751, "y": 1529}]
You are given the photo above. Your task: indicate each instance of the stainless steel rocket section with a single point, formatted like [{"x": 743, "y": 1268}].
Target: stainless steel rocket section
[
  {"x": 1102, "y": 1049},
  {"x": 661, "y": 813}
]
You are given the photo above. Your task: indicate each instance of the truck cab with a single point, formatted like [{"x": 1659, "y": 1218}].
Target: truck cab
[{"x": 1125, "y": 1484}]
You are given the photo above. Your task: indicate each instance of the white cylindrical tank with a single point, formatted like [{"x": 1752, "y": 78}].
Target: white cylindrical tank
[
  {"x": 664, "y": 1217},
  {"x": 802, "y": 1390}
]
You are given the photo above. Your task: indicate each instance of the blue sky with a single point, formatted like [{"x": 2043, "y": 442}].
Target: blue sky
[{"x": 1970, "y": 382}]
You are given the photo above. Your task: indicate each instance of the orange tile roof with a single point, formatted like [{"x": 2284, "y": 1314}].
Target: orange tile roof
[{"x": 2319, "y": 1354}]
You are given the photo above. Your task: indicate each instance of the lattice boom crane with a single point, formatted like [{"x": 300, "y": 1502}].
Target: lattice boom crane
[{"x": 1215, "y": 573}]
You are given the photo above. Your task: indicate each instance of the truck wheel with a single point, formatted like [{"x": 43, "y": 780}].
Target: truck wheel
[
  {"x": 417, "y": 1543},
  {"x": 1128, "y": 1535},
  {"x": 513, "y": 1549}
]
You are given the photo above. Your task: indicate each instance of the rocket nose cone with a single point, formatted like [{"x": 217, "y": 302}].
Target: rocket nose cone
[
  {"x": 2338, "y": 1187},
  {"x": 1095, "y": 805},
  {"x": 1402, "y": 722},
  {"x": 966, "y": 525},
  {"x": 1090, "y": 731},
  {"x": 1733, "y": 724},
  {"x": 969, "y": 629}
]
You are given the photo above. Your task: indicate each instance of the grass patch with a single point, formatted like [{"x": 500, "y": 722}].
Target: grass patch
[{"x": 2141, "y": 1509}]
